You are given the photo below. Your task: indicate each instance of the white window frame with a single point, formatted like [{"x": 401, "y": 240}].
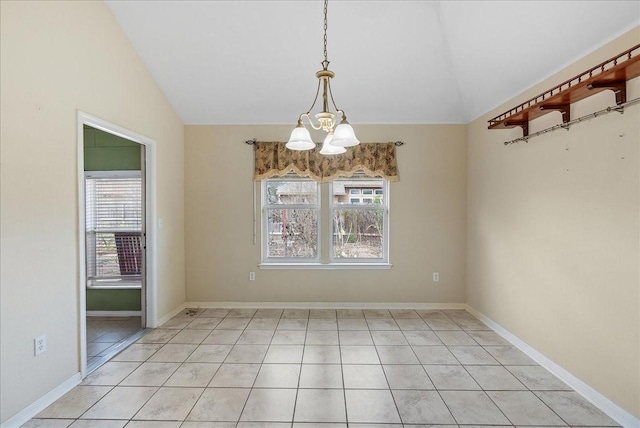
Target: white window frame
[
  {"x": 266, "y": 260},
  {"x": 119, "y": 282},
  {"x": 324, "y": 257},
  {"x": 384, "y": 260}
]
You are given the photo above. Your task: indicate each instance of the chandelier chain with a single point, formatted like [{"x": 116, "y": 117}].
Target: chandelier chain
[{"x": 326, "y": 61}]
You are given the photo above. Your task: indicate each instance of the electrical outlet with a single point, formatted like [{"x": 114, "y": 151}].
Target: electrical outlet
[
  {"x": 252, "y": 276},
  {"x": 436, "y": 277},
  {"x": 40, "y": 344}
]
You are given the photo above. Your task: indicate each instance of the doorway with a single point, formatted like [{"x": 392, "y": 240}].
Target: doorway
[{"x": 115, "y": 256}]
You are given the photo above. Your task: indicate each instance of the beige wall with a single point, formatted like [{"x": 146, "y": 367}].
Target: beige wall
[
  {"x": 427, "y": 222},
  {"x": 553, "y": 235},
  {"x": 541, "y": 237},
  {"x": 57, "y": 58}
]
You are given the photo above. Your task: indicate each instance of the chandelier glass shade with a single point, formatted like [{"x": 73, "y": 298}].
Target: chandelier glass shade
[
  {"x": 339, "y": 135},
  {"x": 328, "y": 148}
]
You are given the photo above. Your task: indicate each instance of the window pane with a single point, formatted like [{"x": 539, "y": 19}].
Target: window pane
[
  {"x": 343, "y": 188},
  {"x": 358, "y": 233},
  {"x": 106, "y": 255},
  {"x": 291, "y": 192},
  {"x": 292, "y": 233}
]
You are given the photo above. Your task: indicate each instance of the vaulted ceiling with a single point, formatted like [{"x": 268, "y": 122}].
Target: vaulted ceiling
[{"x": 396, "y": 62}]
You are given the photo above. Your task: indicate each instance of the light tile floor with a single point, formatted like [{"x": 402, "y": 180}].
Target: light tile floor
[
  {"x": 299, "y": 368},
  {"x": 104, "y": 334}
]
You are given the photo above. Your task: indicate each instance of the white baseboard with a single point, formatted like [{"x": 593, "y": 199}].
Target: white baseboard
[
  {"x": 114, "y": 313},
  {"x": 614, "y": 411},
  {"x": 170, "y": 315},
  {"x": 325, "y": 305},
  {"x": 42, "y": 403}
]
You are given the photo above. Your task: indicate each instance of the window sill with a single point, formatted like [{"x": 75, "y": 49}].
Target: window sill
[
  {"x": 93, "y": 284},
  {"x": 322, "y": 266},
  {"x": 114, "y": 287}
]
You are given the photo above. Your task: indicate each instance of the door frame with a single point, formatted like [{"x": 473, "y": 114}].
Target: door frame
[{"x": 150, "y": 291}]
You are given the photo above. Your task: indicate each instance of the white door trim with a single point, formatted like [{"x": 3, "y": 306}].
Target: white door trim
[{"x": 150, "y": 214}]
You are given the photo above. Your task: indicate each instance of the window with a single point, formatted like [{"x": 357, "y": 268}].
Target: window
[
  {"x": 360, "y": 229},
  {"x": 113, "y": 228},
  {"x": 292, "y": 217},
  {"x": 290, "y": 220}
]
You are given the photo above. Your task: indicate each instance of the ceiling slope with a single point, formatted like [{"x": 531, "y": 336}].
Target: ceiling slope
[{"x": 396, "y": 62}]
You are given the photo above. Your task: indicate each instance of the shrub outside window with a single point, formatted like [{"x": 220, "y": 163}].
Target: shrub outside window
[
  {"x": 359, "y": 229},
  {"x": 290, "y": 220}
]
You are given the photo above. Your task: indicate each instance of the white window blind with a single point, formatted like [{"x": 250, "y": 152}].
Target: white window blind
[{"x": 113, "y": 225}]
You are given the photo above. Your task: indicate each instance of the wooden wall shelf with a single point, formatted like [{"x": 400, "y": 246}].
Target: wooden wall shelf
[{"x": 609, "y": 75}]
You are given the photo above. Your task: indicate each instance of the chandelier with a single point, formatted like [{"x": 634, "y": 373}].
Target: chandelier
[{"x": 338, "y": 137}]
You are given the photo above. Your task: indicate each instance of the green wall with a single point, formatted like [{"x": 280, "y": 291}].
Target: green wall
[
  {"x": 113, "y": 300},
  {"x": 107, "y": 152}
]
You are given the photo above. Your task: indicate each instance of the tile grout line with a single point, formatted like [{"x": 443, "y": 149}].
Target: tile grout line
[
  {"x": 185, "y": 361},
  {"x": 434, "y": 385},
  {"x": 395, "y": 403},
  {"x": 257, "y": 374},
  {"x": 304, "y": 344},
  {"x": 344, "y": 386}
]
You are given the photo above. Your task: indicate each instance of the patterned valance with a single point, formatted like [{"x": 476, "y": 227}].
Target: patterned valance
[{"x": 273, "y": 159}]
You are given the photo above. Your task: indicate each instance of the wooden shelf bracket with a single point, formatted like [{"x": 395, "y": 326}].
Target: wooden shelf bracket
[
  {"x": 564, "y": 109},
  {"x": 524, "y": 124},
  {"x": 619, "y": 87}
]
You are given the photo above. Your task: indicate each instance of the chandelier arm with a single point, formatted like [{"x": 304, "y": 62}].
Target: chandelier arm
[
  {"x": 315, "y": 99},
  {"x": 332, "y": 100},
  {"x": 318, "y": 127}
]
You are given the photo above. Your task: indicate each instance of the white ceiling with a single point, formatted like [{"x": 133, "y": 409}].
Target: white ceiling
[{"x": 396, "y": 62}]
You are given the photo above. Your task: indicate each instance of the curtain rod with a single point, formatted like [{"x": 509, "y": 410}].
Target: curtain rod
[
  {"x": 252, "y": 142},
  {"x": 565, "y": 125}
]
